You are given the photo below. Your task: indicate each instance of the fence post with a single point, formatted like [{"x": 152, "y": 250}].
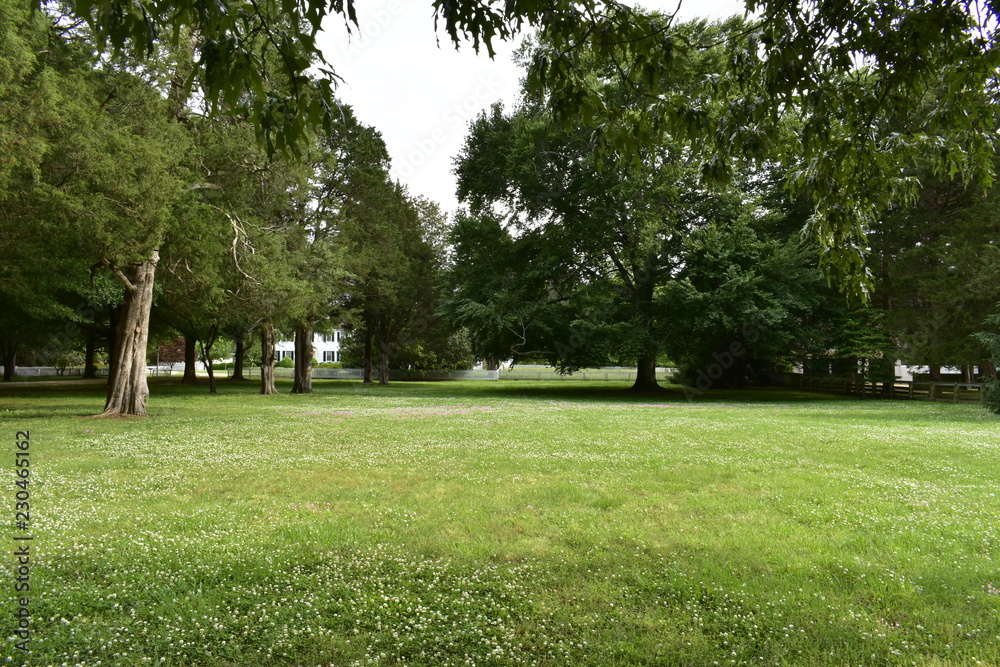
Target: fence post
[
  {"x": 930, "y": 392},
  {"x": 954, "y": 396},
  {"x": 911, "y": 390}
]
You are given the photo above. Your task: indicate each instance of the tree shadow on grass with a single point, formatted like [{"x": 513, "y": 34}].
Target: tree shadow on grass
[{"x": 613, "y": 392}]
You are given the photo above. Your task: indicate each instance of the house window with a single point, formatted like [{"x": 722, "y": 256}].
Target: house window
[
  {"x": 329, "y": 356},
  {"x": 286, "y": 353},
  {"x": 327, "y": 338}
]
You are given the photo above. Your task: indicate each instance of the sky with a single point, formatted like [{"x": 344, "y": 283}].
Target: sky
[{"x": 422, "y": 94}]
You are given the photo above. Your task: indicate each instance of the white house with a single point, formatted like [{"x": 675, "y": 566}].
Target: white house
[{"x": 326, "y": 347}]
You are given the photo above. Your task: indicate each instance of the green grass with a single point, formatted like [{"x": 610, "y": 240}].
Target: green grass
[{"x": 507, "y": 523}]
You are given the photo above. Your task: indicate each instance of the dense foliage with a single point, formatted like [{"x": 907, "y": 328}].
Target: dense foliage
[
  {"x": 850, "y": 70},
  {"x": 156, "y": 220},
  {"x": 182, "y": 174}
]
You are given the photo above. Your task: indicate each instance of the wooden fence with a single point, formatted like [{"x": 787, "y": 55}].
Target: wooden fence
[{"x": 953, "y": 392}]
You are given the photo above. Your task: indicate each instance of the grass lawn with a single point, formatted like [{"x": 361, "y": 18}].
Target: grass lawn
[{"x": 503, "y": 524}]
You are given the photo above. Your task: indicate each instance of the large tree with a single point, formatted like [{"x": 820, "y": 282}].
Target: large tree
[
  {"x": 498, "y": 287},
  {"x": 393, "y": 266},
  {"x": 937, "y": 271},
  {"x": 129, "y": 181},
  {"x": 102, "y": 176},
  {"x": 619, "y": 219}
]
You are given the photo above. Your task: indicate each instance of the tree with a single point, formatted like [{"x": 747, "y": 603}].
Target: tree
[
  {"x": 37, "y": 75},
  {"x": 937, "y": 271},
  {"x": 991, "y": 340},
  {"x": 106, "y": 183},
  {"x": 393, "y": 289},
  {"x": 620, "y": 220},
  {"x": 838, "y": 88},
  {"x": 496, "y": 288},
  {"x": 347, "y": 177},
  {"x": 745, "y": 299},
  {"x": 171, "y": 353},
  {"x": 255, "y": 196}
]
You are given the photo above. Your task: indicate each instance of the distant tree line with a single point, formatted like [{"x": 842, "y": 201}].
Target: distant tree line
[{"x": 170, "y": 173}]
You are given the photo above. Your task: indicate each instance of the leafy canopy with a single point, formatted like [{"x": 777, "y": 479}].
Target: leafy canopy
[{"x": 823, "y": 85}]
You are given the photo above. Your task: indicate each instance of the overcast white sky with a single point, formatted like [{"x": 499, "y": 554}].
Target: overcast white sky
[{"x": 421, "y": 96}]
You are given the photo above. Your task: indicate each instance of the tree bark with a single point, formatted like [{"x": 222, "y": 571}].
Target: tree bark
[
  {"x": 383, "y": 353},
  {"x": 190, "y": 359},
  {"x": 267, "y": 359},
  {"x": 128, "y": 392},
  {"x": 206, "y": 355},
  {"x": 9, "y": 352},
  {"x": 935, "y": 373},
  {"x": 367, "y": 364},
  {"x": 114, "y": 317},
  {"x": 303, "y": 359},
  {"x": 645, "y": 374},
  {"x": 90, "y": 352},
  {"x": 211, "y": 375},
  {"x": 238, "y": 359}
]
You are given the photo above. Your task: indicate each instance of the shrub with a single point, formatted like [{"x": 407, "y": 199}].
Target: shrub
[{"x": 287, "y": 362}]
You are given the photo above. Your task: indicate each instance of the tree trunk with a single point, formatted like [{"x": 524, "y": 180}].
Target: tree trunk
[
  {"x": 645, "y": 374},
  {"x": 989, "y": 369},
  {"x": 368, "y": 358},
  {"x": 128, "y": 392},
  {"x": 190, "y": 359},
  {"x": 238, "y": 359},
  {"x": 492, "y": 364},
  {"x": 383, "y": 353},
  {"x": 267, "y": 359},
  {"x": 935, "y": 373},
  {"x": 211, "y": 376},
  {"x": 303, "y": 359},
  {"x": 114, "y": 316},
  {"x": 9, "y": 352},
  {"x": 645, "y": 285},
  {"x": 89, "y": 367},
  {"x": 206, "y": 355}
]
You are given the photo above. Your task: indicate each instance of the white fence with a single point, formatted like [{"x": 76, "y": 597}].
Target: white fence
[
  {"x": 48, "y": 371},
  {"x": 358, "y": 374}
]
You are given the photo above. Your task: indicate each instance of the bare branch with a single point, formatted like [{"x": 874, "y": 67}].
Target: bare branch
[
  {"x": 239, "y": 237},
  {"x": 122, "y": 277}
]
